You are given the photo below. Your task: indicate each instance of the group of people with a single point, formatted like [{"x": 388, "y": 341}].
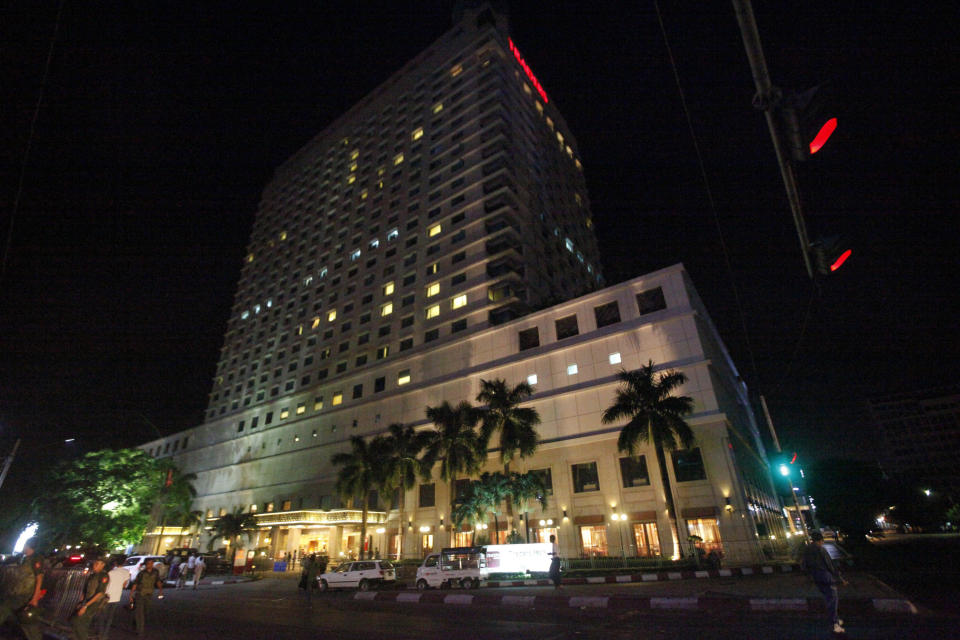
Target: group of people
[
  {"x": 311, "y": 567},
  {"x": 193, "y": 568}
]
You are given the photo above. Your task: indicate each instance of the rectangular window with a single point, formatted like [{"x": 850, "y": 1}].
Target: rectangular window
[
  {"x": 240, "y": 426},
  {"x": 406, "y": 321},
  {"x": 433, "y": 311},
  {"x": 529, "y": 338},
  {"x": 428, "y": 495},
  {"x": 646, "y": 538},
  {"x": 301, "y": 408},
  {"x": 379, "y": 385},
  {"x": 459, "y": 301},
  {"x": 433, "y": 289},
  {"x": 386, "y": 309},
  {"x": 585, "y": 477},
  {"x": 337, "y": 398},
  {"x": 532, "y": 379},
  {"x": 594, "y": 540},
  {"x": 459, "y": 325},
  {"x": 318, "y": 403},
  {"x": 708, "y": 530},
  {"x": 614, "y": 358},
  {"x": 382, "y": 352},
  {"x": 607, "y": 314},
  {"x": 688, "y": 465},
  {"x": 633, "y": 470},
  {"x": 572, "y": 369},
  {"x": 545, "y": 477},
  {"x": 651, "y": 300},
  {"x": 357, "y": 391},
  {"x": 431, "y": 335},
  {"x": 417, "y": 133},
  {"x": 567, "y": 327},
  {"x": 403, "y": 377},
  {"x": 434, "y": 230},
  {"x": 284, "y": 413},
  {"x": 388, "y": 289},
  {"x": 406, "y": 343}
]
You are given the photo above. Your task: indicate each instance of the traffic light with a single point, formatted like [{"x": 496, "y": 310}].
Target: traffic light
[
  {"x": 809, "y": 119},
  {"x": 829, "y": 254}
]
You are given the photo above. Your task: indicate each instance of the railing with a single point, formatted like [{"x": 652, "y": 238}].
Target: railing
[{"x": 64, "y": 590}]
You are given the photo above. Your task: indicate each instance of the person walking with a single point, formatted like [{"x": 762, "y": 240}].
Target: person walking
[
  {"x": 118, "y": 579},
  {"x": 311, "y": 568},
  {"x": 198, "y": 568},
  {"x": 141, "y": 591},
  {"x": 94, "y": 597},
  {"x": 23, "y": 593},
  {"x": 555, "y": 563},
  {"x": 818, "y": 563},
  {"x": 186, "y": 570}
]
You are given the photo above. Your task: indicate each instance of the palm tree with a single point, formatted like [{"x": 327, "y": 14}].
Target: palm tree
[
  {"x": 471, "y": 506},
  {"x": 175, "y": 498},
  {"x": 403, "y": 465},
  {"x": 361, "y": 471},
  {"x": 524, "y": 487},
  {"x": 516, "y": 424},
  {"x": 455, "y": 443},
  {"x": 654, "y": 416},
  {"x": 231, "y": 526},
  {"x": 494, "y": 488}
]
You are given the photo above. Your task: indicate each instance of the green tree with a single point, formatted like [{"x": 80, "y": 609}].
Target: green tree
[
  {"x": 502, "y": 413},
  {"x": 455, "y": 443},
  {"x": 470, "y": 507},
  {"x": 524, "y": 488},
  {"x": 403, "y": 464},
  {"x": 231, "y": 526},
  {"x": 175, "y": 497},
  {"x": 361, "y": 471},
  {"x": 654, "y": 416},
  {"x": 102, "y": 498},
  {"x": 494, "y": 489}
]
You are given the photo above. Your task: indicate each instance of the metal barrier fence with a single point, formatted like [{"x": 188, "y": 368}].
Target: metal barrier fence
[{"x": 64, "y": 591}]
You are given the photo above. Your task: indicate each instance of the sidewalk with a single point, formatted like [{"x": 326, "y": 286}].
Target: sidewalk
[{"x": 756, "y": 592}]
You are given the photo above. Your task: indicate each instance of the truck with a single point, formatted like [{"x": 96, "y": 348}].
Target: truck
[{"x": 468, "y": 567}]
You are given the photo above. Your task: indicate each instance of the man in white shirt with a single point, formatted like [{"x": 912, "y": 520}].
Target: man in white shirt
[
  {"x": 119, "y": 577},
  {"x": 198, "y": 568}
]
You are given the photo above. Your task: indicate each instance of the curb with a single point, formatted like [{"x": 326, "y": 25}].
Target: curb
[
  {"x": 657, "y": 576},
  {"x": 734, "y": 604},
  {"x": 189, "y": 583}
]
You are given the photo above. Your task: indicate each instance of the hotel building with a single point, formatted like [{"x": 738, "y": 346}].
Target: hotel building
[{"x": 437, "y": 234}]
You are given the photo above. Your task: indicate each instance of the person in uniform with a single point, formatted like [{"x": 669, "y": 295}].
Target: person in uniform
[
  {"x": 141, "y": 592},
  {"x": 25, "y": 593},
  {"x": 94, "y": 598}
]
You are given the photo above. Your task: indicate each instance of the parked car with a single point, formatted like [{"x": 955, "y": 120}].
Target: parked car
[
  {"x": 361, "y": 574},
  {"x": 216, "y": 563},
  {"x": 134, "y": 564},
  {"x": 463, "y": 566}
]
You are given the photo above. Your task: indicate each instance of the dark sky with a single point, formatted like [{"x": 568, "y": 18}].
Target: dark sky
[{"x": 161, "y": 123}]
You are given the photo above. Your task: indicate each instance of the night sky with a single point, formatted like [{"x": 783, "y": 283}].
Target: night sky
[{"x": 161, "y": 123}]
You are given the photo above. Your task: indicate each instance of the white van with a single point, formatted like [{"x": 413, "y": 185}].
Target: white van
[{"x": 462, "y": 566}]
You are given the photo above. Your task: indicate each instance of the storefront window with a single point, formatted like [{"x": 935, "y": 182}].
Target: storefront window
[
  {"x": 646, "y": 538},
  {"x": 594, "y": 540},
  {"x": 463, "y": 539},
  {"x": 708, "y": 529},
  {"x": 426, "y": 544},
  {"x": 542, "y": 534}
]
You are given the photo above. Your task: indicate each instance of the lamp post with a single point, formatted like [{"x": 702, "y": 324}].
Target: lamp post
[
  {"x": 785, "y": 471},
  {"x": 620, "y": 518}
]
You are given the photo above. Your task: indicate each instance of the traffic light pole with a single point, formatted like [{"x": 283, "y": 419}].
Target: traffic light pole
[{"x": 766, "y": 98}]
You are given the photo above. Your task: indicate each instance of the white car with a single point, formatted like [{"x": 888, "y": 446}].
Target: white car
[
  {"x": 134, "y": 564},
  {"x": 360, "y": 574}
]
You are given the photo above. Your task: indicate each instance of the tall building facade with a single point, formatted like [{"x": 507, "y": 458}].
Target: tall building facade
[{"x": 437, "y": 234}]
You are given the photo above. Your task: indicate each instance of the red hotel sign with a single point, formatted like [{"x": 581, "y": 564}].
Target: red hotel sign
[{"x": 526, "y": 69}]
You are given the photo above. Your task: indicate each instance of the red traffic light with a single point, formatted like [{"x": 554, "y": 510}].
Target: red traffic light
[
  {"x": 840, "y": 260},
  {"x": 823, "y": 135}
]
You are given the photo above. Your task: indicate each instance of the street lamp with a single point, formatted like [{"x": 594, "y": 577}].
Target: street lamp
[
  {"x": 785, "y": 471},
  {"x": 620, "y": 518}
]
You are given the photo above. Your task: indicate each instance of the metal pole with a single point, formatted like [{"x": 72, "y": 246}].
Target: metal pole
[
  {"x": 766, "y": 98},
  {"x": 773, "y": 432},
  {"x": 8, "y": 462}
]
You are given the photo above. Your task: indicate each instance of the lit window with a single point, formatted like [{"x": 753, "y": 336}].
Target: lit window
[
  {"x": 374, "y": 243},
  {"x": 417, "y": 133},
  {"x": 354, "y": 155},
  {"x": 532, "y": 379},
  {"x": 308, "y": 281},
  {"x": 323, "y": 272},
  {"x": 614, "y": 358},
  {"x": 315, "y": 323},
  {"x": 433, "y": 289},
  {"x": 245, "y": 314},
  {"x": 459, "y": 301},
  {"x": 433, "y": 312},
  {"x": 559, "y": 137},
  {"x": 353, "y": 166},
  {"x": 337, "y": 398},
  {"x": 456, "y": 70},
  {"x": 397, "y": 159},
  {"x": 393, "y": 234},
  {"x": 539, "y": 107},
  {"x": 249, "y": 257},
  {"x": 318, "y": 403},
  {"x": 437, "y": 108},
  {"x": 283, "y": 235},
  {"x": 354, "y": 254},
  {"x": 284, "y": 413},
  {"x": 569, "y": 244},
  {"x": 550, "y": 123},
  {"x": 301, "y": 408},
  {"x": 256, "y": 308},
  {"x": 386, "y": 309},
  {"x": 351, "y": 179},
  {"x": 434, "y": 230},
  {"x": 364, "y": 194},
  {"x": 403, "y": 377},
  {"x": 572, "y": 370},
  {"x": 432, "y": 269},
  {"x": 388, "y": 289},
  {"x": 331, "y": 315}
]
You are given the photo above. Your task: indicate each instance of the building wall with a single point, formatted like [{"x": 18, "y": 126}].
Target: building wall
[{"x": 289, "y": 459}]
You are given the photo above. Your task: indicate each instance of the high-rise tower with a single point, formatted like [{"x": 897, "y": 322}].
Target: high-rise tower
[{"x": 449, "y": 199}]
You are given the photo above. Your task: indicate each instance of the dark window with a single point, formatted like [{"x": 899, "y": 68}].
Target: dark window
[
  {"x": 459, "y": 325},
  {"x": 361, "y": 360},
  {"x": 253, "y": 425},
  {"x": 546, "y": 479},
  {"x": 585, "y": 477},
  {"x": 607, "y": 314},
  {"x": 458, "y": 257},
  {"x": 529, "y": 338},
  {"x": 634, "y": 471},
  {"x": 688, "y": 465},
  {"x": 384, "y": 330},
  {"x": 650, "y": 301},
  {"x": 406, "y": 343},
  {"x": 363, "y": 338},
  {"x": 457, "y": 279},
  {"x": 406, "y": 322},
  {"x": 269, "y": 418},
  {"x": 379, "y": 385},
  {"x": 428, "y": 495},
  {"x": 567, "y": 327},
  {"x": 341, "y": 367},
  {"x": 357, "y": 391},
  {"x": 431, "y": 335},
  {"x": 407, "y": 300},
  {"x": 240, "y": 426},
  {"x": 460, "y": 489}
]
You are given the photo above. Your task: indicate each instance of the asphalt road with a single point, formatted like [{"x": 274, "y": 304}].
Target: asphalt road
[{"x": 273, "y": 608}]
